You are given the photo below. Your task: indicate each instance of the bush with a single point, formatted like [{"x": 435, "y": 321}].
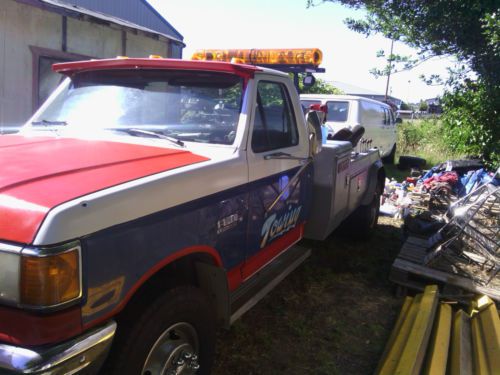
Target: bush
[
  {"x": 425, "y": 138},
  {"x": 471, "y": 122}
]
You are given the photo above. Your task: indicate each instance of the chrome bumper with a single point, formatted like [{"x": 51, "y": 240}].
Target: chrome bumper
[{"x": 82, "y": 355}]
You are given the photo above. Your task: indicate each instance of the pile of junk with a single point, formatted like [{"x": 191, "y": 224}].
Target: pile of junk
[
  {"x": 425, "y": 196},
  {"x": 451, "y": 216}
]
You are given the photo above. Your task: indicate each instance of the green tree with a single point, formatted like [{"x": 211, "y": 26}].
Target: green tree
[
  {"x": 319, "y": 87},
  {"x": 469, "y": 31},
  {"x": 423, "y": 106},
  {"x": 404, "y": 107}
]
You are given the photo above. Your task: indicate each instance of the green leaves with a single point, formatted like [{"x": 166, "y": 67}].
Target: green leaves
[
  {"x": 320, "y": 87},
  {"x": 467, "y": 30},
  {"x": 471, "y": 121}
]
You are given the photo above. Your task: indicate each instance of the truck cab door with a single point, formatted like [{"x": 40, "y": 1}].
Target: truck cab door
[{"x": 277, "y": 148}]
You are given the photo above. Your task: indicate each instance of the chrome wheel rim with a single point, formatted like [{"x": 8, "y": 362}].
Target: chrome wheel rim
[{"x": 174, "y": 353}]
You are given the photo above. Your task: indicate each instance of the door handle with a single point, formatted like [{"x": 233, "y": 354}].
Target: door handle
[
  {"x": 277, "y": 155},
  {"x": 284, "y": 156}
]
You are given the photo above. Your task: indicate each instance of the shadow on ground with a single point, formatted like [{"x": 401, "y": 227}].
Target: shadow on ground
[{"x": 333, "y": 315}]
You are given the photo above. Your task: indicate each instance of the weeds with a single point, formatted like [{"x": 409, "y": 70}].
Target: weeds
[{"x": 426, "y": 139}]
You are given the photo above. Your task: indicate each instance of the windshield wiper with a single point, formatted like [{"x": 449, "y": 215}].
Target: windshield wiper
[
  {"x": 156, "y": 135},
  {"x": 49, "y": 123}
]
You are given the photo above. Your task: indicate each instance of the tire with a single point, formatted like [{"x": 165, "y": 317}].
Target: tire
[
  {"x": 389, "y": 159},
  {"x": 408, "y": 162},
  {"x": 176, "y": 331},
  {"x": 363, "y": 221}
]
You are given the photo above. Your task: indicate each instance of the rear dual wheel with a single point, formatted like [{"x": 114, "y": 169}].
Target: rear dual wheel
[{"x": 363, "y": 221}]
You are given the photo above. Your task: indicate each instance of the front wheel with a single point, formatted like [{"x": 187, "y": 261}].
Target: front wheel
[{"x": 174, "y": 335}]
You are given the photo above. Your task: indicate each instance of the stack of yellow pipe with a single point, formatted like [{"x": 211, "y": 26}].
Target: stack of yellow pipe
[{"x": 429, "y": 338}]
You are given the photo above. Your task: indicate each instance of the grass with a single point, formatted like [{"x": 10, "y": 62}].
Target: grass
[
  {"x": 421, "y": 138},
  {"x": 331, "y": 316},
  {"x": 424, "y": 138}
]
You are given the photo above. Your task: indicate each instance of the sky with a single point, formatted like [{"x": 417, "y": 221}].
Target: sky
[{"x": 347, "y": 55}]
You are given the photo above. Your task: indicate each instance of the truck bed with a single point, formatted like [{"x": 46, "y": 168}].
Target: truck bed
[{"x": 341, "y": 180}]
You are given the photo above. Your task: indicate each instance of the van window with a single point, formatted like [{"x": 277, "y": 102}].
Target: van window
[
  {"x": 275, "y": 125},
  {"x": 337, "y": 111},
  {"x": 308, "y": 103},
  {"x": 372, "y": 113}
]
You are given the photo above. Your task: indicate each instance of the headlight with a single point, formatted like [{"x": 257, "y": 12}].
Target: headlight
[{"x": 40, "y": 277}]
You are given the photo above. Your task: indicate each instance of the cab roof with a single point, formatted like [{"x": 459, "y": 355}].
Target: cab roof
[{"x": 70, "y": 68}]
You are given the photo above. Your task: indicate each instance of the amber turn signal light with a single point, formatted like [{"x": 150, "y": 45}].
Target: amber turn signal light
[{"x": 50, "y": 280}]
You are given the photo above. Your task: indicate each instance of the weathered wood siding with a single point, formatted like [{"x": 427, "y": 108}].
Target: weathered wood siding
[{"x": 22, "y": 26}]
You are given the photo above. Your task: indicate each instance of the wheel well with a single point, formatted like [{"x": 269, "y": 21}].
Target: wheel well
[
  {"x": 180, "y": 272},
  {"x": 381, "y": 180}
]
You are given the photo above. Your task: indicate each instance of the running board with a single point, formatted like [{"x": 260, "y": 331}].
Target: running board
[{"x": 256, "y": 288}]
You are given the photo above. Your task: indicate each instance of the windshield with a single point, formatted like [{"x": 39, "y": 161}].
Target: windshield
[{"x": 186, "y": 105}]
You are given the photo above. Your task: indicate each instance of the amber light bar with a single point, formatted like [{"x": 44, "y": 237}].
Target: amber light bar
[{"x": 291, "y": 56}]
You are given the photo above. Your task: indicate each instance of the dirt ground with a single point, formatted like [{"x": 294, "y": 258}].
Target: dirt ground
[{"x": 332, "y": 315}]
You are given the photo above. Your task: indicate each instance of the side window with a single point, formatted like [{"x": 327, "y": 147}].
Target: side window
[
  {"x": 381, "y": 115},
  {"x": 337, "y": 111},
  {"x": 387, "y": 120},
  {"x": 275, "y": 125},
  {"x": 391, "y": 117}
]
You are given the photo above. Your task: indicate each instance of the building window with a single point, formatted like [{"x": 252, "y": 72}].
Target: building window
[{"x": 45, "y": 80}]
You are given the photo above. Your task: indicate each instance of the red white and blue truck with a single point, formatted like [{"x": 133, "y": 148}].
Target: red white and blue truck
[{"x": 149, "y": 201}]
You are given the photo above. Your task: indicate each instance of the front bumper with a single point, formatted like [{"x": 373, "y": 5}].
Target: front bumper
[{"x": 81, "y": 355}]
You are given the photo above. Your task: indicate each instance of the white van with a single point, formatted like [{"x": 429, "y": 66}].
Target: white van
[{"x": 346, "y": 111}]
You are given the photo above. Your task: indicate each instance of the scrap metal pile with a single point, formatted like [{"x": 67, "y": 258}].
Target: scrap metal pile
[
  {"x": 432, "y": 192},
  {"x": 452, "y": 220},
  {"x": 469, "y": 243}
]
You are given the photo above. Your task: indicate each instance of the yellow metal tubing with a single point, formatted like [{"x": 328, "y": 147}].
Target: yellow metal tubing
[
  {"x": 395, "y": 331},
  {"x": 490, "y": 329},
  {"x": 412, "y": 357},
  {"x": 481, "y": 366},
  {"x": 437, "y": 356},
  {"x": 460, "y": 351},
  {"x": 389, "y": 363}
]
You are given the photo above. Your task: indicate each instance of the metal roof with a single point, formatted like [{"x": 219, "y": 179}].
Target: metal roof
[
  {"x": 65, "y": 7},
  {"x": 140, "y": 12}
]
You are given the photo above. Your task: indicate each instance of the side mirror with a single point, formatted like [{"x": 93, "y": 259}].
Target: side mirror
[{"x": 314, "y": 129}]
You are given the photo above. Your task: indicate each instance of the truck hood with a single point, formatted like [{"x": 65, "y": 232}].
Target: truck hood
[{"x": 39, "y": 173}]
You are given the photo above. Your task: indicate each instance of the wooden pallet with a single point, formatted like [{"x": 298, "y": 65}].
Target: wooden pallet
[{"x": 408, "y": 270}]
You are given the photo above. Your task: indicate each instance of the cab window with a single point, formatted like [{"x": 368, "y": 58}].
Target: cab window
[{"x": 275, "y": 125}]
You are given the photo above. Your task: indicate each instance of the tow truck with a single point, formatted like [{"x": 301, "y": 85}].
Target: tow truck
[{"x": 150, "y": 201}]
